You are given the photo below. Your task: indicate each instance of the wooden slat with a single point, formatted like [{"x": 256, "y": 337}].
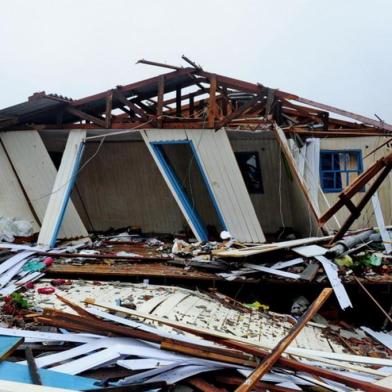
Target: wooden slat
[
  {"x": 85, "y": 116},
  {"x": 161, "y": 91},
  {"x": 212, "y": 102}
]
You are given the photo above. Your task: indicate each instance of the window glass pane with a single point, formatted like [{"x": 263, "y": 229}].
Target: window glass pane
[
  {"x": 250, "y": 169},
  {"x": 327, "y": 180},
  {"x": 338, "y": 181},
  {"x": 338, "y": 169},
  {"x": 326, "y": 161}
]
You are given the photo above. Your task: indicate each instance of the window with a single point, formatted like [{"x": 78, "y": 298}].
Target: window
[
  {"x": 339, "y": 168},
  {"x": 250, "y": 169}
]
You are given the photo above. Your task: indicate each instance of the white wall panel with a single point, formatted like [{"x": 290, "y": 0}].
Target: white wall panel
[
  {"x": 59, "y": 198},
  {"x": 13, "y": 203},
  {"x": 223, "y": 175},
  {"x": 37, "y": 174}
]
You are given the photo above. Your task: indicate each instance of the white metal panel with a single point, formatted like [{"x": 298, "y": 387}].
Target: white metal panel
[
  {"x": 37, "y": 174},
  {"x": 213, "y": 165},
  {"x": 234, "y": 175},
  {"x": 13, "y": 203},
  {"x": 60, "y": 191}
]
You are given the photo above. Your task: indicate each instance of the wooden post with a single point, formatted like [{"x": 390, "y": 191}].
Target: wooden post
[
  {"x": 178, "y": 103},
  {"x": 108, "y": 111},
  {"x": 212, "y": 102},
  {"x": 161, "y": 91},
  {"x": 275, "y": 354},
  {"x": 191, "y": 106}
]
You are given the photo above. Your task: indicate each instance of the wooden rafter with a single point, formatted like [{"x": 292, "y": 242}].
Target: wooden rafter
[
  {"x": 132, "y": 107},
  {"x": 85, "y": 116}
]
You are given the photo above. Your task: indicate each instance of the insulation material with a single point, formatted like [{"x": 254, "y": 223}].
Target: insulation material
[
  {"x": 37, "y": 174},
  {"x": 223, "y": 176},
  {"x": 13, "y": 203},
  {"x": 60, "y": 193}
]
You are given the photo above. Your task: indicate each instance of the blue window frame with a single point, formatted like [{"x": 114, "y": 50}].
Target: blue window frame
[{"x": 338, "y": 168}]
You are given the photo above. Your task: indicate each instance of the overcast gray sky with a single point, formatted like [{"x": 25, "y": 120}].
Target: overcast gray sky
[{"x": 337, "y": 51}]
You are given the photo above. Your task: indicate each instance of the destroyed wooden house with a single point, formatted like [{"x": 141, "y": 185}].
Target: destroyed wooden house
[
  {"x": 211, "y": 183},
  {"x": 186, "y": 149}
]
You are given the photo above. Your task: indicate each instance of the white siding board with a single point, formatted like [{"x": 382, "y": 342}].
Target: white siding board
[
  {"x": 13, "y": 203},
  {"x": 59, "y": 191},
  {"x": 241, "y": 192},
  {"x": 233, "y": 173},
  {"x": 214, "y": 166},
  {"x": 37, "y": 174}
]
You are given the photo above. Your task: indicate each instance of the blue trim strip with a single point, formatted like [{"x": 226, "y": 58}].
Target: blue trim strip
[
  {"x": 192, "y": 214},
  {"x": 67, "y": 195},
  {"x": 10, "y": 371}
]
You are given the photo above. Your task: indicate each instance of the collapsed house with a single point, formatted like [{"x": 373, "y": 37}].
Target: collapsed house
[{"x": 231, "y": 171}]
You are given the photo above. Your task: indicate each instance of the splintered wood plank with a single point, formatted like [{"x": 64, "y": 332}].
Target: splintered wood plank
[
  {"x": 37, "y": 174},
  {"x": 136, "y": 270}
]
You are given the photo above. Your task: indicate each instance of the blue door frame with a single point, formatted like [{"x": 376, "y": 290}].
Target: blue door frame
[
  {"x": 67, "y": 195},
  {"x": 175, "y": 182}
]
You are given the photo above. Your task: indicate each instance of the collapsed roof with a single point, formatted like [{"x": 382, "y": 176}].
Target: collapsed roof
[{"x": 187, "y": 98}]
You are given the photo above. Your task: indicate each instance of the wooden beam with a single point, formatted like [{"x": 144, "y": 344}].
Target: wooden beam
[
  {"x": 132, "y": 107},
  {"x": 354, "y": 215},
  {"x": 345, "y": 113},
  {"x": 191, "y": 106},
  {"x": 385, "y": 313},
  {"x": 108, "y": 111},
  {"x": 275, "y": 354},
  {"x": 242, "y": 109},
  {"x": 142, "y": 61},
  {"x": 161, "y": 92},
  {"x": 33, "y": 370},
  {"x": 178, "y": 103},
  {"x": 212, "y": 102},
  {"x": 85, "y": 116},
  {"x": 356, "y": 186}
]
